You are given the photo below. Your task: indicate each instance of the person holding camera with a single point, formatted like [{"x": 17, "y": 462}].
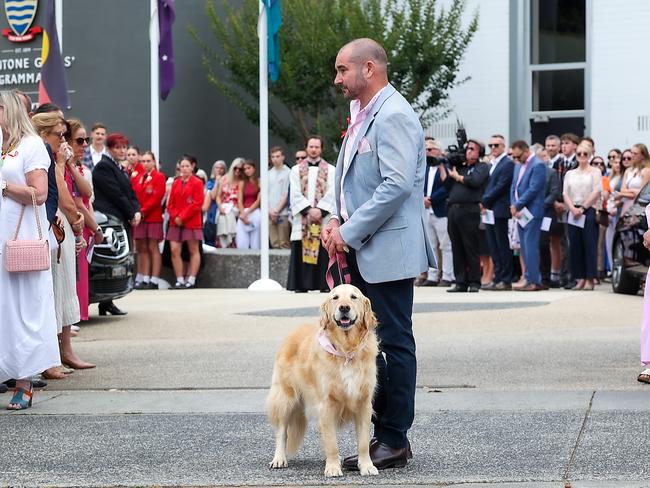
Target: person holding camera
[{"x": 465, "y": 182}]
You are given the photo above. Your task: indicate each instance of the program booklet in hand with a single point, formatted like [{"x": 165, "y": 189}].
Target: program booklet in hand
[
  {"x": 577, "y": 221},
  {"x": 524, "y": 217},
  {"x": 488, "y": 217}
]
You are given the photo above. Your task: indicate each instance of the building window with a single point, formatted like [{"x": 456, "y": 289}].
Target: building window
[
  {"x": 558, "y": 90},
  {"x": 557, "y": 31}
]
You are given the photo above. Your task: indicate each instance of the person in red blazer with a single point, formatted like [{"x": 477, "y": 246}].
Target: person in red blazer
[
  {"x": 149, "y": 186},
  {"x": 185, "y": 223}
]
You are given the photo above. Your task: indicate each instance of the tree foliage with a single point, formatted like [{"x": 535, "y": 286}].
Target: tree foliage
[{"x": 425, "y": 44}]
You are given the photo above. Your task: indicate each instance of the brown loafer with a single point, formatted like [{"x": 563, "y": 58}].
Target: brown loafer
[{"x": 383, "y": 457}]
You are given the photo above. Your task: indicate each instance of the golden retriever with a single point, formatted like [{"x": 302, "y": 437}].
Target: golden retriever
[{"x": 328, "y": 372}]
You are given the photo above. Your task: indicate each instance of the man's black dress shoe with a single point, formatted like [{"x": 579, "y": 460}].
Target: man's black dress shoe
[
  {"x": 457, "y": 289},
  {"x": 111, "y": 308},
  {"x": 383, "y": 457}
]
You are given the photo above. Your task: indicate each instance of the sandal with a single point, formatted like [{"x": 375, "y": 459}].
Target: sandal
[
  {"x": 644, "y": 376},
  {"x": 19, "y": 398}
]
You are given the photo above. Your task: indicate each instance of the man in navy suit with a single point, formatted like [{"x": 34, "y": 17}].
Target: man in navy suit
[
  {"x": 380, "y": 225},
  {"x": 527, "y": 192},
  {"x": 435, "y": 204},
  {"x": 497, "y": 199}
]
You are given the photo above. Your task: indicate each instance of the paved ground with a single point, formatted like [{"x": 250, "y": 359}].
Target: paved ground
[{"x": 515, "y": 389}]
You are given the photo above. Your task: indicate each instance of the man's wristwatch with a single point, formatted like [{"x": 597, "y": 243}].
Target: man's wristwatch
[{"x": 3, "y": 186}]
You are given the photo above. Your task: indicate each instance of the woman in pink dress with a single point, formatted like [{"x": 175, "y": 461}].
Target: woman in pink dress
[
  {"x": 80, "y": 187},
  {"x": 644, "y": 376}
]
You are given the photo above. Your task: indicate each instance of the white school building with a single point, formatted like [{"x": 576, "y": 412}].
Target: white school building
[{"x": 540, "y": 67}]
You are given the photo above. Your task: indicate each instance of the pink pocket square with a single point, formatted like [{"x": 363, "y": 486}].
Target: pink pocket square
[{"x": 364, "y": 146}]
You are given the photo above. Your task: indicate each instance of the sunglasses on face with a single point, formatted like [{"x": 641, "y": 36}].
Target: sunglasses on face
[
  {"x": 298, "y": 158},
  {"x": 627, "y": 158},
  {"x": 58, "y": 134},
  {"x": 493, "y": 145},
  {"x": 613, "y": 156},
  {"x": 81, "y": 140},
  {"x": 598, "y": 163},
  {"x": 582, "y": 154}
]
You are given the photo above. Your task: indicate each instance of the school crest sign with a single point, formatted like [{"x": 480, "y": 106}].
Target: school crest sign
[{"x": 20, "y": 15}]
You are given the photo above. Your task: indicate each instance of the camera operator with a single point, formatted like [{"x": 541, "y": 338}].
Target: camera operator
[{"x": 465, "y": 183}]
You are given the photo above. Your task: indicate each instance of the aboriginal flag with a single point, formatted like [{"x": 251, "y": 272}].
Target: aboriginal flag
[{"x": 52, "y": 87}]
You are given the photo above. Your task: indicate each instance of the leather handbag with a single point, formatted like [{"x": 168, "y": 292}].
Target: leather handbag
[{"x": 27, "y": 255}]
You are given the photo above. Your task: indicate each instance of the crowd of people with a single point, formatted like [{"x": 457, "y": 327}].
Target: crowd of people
[
  {"x": 519, "y": 217},
  {"x": 528, "y": 218}
]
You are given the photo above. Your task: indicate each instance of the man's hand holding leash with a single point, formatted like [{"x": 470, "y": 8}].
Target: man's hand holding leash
[{"x": 331, "y": 238}]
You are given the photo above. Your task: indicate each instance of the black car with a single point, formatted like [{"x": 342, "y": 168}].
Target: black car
[
  {"x": 630, "y": 257},
  {"x": 110, "y": 275}
]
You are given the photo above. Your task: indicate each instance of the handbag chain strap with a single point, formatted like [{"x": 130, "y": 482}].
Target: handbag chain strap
[{"x": 38, "y": 220}]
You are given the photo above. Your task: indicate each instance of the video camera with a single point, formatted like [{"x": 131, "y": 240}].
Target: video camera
[{"x": 455, "y": 153}]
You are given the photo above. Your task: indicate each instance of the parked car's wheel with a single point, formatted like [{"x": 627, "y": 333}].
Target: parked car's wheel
[{"x": 622, "y": 280}]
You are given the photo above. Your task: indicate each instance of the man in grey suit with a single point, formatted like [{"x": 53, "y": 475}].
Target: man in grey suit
[{"x": 380, "y": 222}]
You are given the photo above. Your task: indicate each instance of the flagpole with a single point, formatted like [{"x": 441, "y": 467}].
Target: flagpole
[
  {"x": 264, "y": 283},
  {"x": 58, "y": 9},
  {"x": 154, "y": 36}
]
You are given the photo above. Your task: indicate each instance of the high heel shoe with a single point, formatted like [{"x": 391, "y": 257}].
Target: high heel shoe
[
  {"x": 19, "y": 398},
  {"x": 580, "y": 285},
  {"x": 589, "y": 285},
  {"x": 111, "y": 308}
]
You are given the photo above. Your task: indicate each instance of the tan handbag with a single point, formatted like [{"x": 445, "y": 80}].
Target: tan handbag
[{"x": 27, "y": 255}]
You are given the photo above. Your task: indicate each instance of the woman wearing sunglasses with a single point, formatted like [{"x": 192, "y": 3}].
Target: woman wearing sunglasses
[
  {"x": 582, "y": 187},
  {"x": 81, "y": 190},
  {"x": 601, "y": 213},
  {"x": 28, "y": 343},
  {"x": 636, "y": 176},
  {"x": 226, "y": 195},
  {"x": 53, "y": 130},
  {"x": 611, "y": 204}
]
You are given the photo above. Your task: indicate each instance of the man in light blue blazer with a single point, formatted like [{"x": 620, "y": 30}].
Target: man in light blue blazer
[
  {"x": 527, "y": 191},
  {"x": 381, "y": 222}
]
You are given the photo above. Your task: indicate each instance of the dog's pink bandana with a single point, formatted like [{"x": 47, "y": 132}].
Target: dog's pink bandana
[{"x": 327, "y": 345}]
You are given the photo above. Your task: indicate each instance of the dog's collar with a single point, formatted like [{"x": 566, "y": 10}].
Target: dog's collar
[{"x": 327, "y": 345}]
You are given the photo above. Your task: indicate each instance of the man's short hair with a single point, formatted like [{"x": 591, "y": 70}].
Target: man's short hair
[
  {"x": 275, "y": 149},
  {"x": 46, "y": 108},
  {"x": 552, "y": 137},
  {"x": 315, "y": 136},
  {"x": 520, "y": 144},
  {"x": 498, "y": 136},
  {"x": 429, "y": 138},
  {"x": 571, "y": 137},
  {"x": 98, "y": 125}
]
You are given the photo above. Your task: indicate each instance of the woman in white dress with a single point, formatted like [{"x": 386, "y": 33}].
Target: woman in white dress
[
  {"x": 52, "y": 129},
  {"x": 28, "y": 327}
]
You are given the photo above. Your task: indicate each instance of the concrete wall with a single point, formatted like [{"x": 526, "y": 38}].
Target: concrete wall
[
  {"x": 620, "y": 73},
  {"x": 237, "y": 268},
  {"x": 481, "y": 103}
]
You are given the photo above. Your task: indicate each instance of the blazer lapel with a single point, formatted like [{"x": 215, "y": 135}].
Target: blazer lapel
[{"x": 388, "y": 91}]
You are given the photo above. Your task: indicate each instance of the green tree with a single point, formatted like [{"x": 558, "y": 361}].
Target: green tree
[{"x": 425, "y": 44}]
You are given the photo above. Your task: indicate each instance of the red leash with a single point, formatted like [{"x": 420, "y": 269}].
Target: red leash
[{"x": 342, "y": 267}]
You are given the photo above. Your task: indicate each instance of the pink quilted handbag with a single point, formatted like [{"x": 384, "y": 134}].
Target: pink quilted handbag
[{"x": 24, "y": 255}]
